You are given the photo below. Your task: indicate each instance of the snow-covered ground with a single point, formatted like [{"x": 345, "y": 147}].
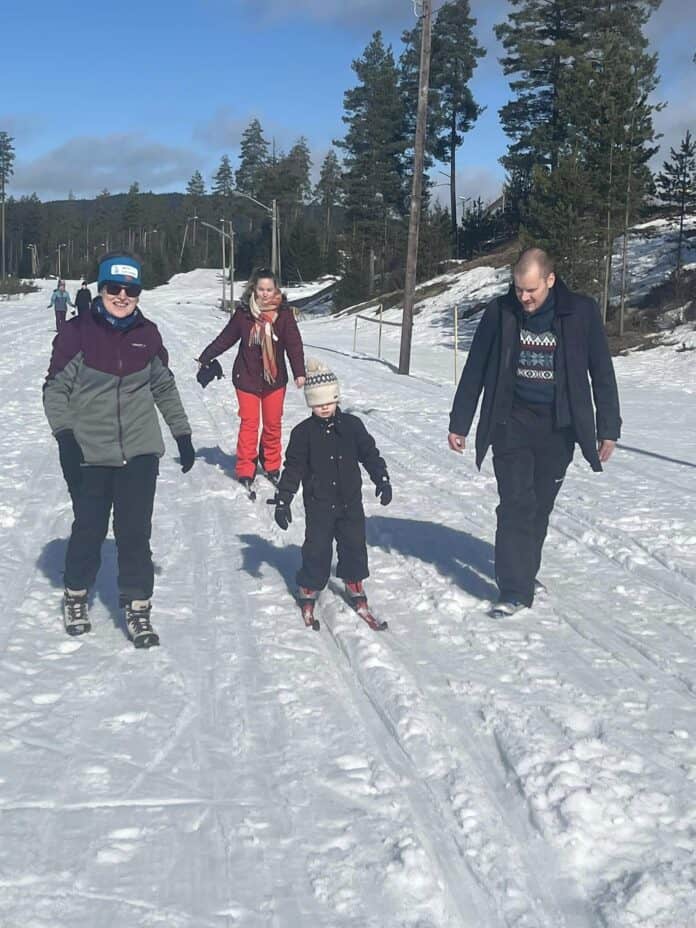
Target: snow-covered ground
[
  {"x": 652, "y": 254},
  {"x": 452, "y": 772}
]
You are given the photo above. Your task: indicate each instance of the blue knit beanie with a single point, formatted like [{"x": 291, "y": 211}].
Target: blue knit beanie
[{"x": 122, "y": 269}]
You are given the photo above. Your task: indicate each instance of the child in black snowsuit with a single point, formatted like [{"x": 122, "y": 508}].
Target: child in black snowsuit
[{"x": 324, "y": 453}]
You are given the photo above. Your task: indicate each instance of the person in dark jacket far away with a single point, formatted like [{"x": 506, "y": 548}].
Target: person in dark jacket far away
[
  {"x": 60, "y": 301},
  {"x": 83, "y": 299},
  {"x": 109, "y": 372},
  {"x": 531, "y": 356},
  {"x": 265, "y": 327},
  {"x": 324, "y": 454}
]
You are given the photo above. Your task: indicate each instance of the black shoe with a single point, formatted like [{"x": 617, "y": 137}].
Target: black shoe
[{"x": 273, "y": 476}]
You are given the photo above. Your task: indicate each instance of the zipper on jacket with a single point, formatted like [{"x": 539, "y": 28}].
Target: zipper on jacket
[{"x": 118, "y": 404}]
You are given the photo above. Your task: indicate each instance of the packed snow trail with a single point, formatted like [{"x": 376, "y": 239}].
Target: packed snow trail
[{"x": 452, "y": 772}]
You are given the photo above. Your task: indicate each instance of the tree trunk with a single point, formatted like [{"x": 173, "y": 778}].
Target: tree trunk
[
  {"x": 453, "y": 185},
  {"x": 608, "y": 238}
]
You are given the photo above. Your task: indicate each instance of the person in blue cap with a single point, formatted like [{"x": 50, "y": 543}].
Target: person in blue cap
[{"x": 108, "y": 376}]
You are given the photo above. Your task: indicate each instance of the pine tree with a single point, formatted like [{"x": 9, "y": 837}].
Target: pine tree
[
  {"x": 195, "y": 194},
  {"x": 455, "y": 54},
  {"x": 132, "y": 214},
  {"x": 329, "y": 193},
  {"x": 374, "y": 169},
  {"x": 562, "y": 218},
  {"x": 298, "y": 165},
  {"x": 253, "y": 159},
  {"x": 7, "y": 158},
  {"x": 196, "y": 186},
  {"x": 223, "y": 179},
  {"x": 542, "y": 39},
  {"x": 611, "y": 115},
  {"x": 676, "y": 185}
]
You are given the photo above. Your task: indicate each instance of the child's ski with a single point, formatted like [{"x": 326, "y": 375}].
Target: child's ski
[
  {"x": 307, "y": 609},
  {"x": 365, "y": 613}
]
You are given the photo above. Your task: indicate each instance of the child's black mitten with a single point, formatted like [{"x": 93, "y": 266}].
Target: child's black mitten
[{"x": 384, "y": 491}]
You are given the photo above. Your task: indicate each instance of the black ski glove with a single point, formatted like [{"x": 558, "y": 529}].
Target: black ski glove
[
  {"x": 282, "y": 514},
  {"x": 70, "y": 456},
  {"x": 384, "y": 491},
  {"x": 186, "y": 453},
  {"x": 209, "y": 372}
]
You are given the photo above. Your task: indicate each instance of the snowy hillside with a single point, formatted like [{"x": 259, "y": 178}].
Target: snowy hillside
[{"x": 451, "y": 772}]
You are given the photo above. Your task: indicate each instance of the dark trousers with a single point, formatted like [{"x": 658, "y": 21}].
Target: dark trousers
[
  {"x": 323, "y": 523},
  {"x": 60, "y": 319},
  {"x": 130, "y": 492},
  {"x": 530, "y": 459}
]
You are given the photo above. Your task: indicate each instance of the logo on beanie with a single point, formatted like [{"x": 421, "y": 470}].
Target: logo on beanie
[{"x": 124, "y": 270}]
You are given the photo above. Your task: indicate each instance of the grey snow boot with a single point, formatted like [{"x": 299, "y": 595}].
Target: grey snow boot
[
  {"x": 140, "y": 629},
  {"x": 75, "y": 614}
]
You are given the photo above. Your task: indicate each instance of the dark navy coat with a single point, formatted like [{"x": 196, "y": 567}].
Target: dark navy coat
[
  {"x": 584, "y": 372},
  {"x": 325, "y": 456}
]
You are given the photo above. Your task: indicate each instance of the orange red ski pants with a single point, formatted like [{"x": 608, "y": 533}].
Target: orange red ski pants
[{"x": 266, "y": 411}]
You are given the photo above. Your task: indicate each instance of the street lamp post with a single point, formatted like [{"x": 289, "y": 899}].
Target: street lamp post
[
  {"x": 223, "y": 235},
  {"x": 273, "y": 212},
  {"x": 222, "y": 244},
  {"x": 63, "y": 245},
  {"x": 34, "y": 260}
]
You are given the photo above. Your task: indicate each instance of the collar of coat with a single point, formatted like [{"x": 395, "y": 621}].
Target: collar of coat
[
  {"x": 335, "y": 420},
  {"x": 565, "y": 302}
]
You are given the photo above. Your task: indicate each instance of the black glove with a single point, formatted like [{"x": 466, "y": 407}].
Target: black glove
[
  {"x": 70, "y": 455},
  {"x": 384, "y": 491},
  {"x": 282, "y": 514},
  {"x": 209, "y": 372},
  {"x": 186, "y": 453}
]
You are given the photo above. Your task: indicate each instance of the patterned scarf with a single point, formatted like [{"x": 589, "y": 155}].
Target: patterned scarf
[{"x": 262, "y": 334}]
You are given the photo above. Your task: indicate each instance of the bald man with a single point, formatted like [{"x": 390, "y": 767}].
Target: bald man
[{"x": 539, "y": 356}]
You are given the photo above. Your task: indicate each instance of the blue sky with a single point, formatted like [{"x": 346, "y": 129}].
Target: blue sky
[{"x": 100, "y": 95}]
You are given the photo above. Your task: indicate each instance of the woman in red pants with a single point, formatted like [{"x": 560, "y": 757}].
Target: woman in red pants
[{"x": 265, "y": 327}]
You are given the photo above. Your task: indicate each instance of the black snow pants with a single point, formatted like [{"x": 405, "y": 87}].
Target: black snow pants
[
  {"x": 130, "y": 491},
  {"x": 325, "y": 521},
  {"x": 530, "y": 459}
]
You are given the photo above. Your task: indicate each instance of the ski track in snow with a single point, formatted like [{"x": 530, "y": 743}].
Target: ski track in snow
[{"x": 451, "y": 772}]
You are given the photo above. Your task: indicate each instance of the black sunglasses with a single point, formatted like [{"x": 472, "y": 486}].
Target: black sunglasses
[{"x": 132, "y": 290}]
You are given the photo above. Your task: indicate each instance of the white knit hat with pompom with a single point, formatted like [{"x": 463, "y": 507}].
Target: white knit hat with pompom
[{"x": 321, "y": 384}]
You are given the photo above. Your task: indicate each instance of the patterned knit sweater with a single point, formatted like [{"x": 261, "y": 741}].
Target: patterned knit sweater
[{"x": 536, "y": 363}]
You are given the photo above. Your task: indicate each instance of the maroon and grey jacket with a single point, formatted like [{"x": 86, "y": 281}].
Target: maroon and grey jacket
[
  {"x": 103, "y": 384},
  {"x": 247, "y": 372}
]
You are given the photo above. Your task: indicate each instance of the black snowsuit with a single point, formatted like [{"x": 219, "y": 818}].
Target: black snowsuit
[
  {"x": 83, "y": 300},
  {"x": 325, "y": 455}
]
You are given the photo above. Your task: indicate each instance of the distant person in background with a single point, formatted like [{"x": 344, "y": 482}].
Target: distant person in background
[
  {"x": 60, "y": 300},
  {"x": 265, "y": 327},
  {"x": 108, "y": 376},
  {"x": 540, "y": 356},
  {"x": 83, "y": 299}
]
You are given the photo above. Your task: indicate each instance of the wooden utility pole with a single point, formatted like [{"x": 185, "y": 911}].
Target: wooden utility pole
[{"x": 416, "y": 190}]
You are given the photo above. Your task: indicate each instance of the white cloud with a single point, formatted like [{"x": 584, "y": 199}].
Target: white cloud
[
  {"x": 87, "y": 164},
  {"x": 373, "y": 12},
  {"x": 473, "y": 181}
]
